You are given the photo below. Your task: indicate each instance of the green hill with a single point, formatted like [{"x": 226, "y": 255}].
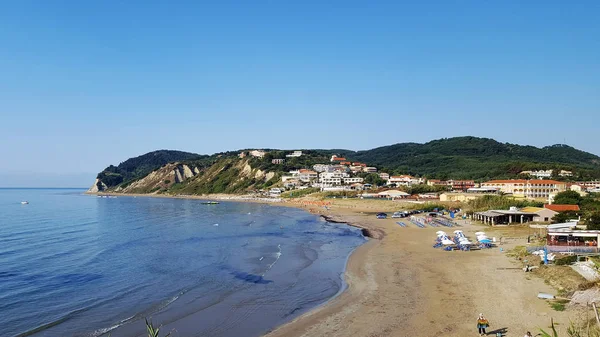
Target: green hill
[
  {"x": 449, "y": 158},
  {"x": 138, "y": 167},
  {"x": 476, "y": 158}
]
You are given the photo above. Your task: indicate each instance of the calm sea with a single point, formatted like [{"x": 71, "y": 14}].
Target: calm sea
[{"x": 79, "y": 265}]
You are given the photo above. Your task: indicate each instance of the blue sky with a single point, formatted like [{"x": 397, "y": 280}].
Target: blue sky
[{"x": 86, "y": 84}]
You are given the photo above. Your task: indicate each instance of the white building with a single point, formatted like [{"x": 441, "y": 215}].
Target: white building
[
  {"x": 338, "y": 174},
  {"x": 353, "y": 180},
  {"x": 321, "y": 167},
  {"x": 384, "y": 176},
  {"x": 257, "y": 153},
  {"x": 330, "y": 181},
  {"x": 404, "y": 180},
  {"x": 306, "y": 176},
  {"x": 295, "y": 154},
  {"x": 369, "y": 169},
  {"x": 527, "y": 188},
  {"x": 276, "y": 192},
  {"x": 564, "y": 173}
]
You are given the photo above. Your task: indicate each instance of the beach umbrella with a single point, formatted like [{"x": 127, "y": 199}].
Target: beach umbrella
[
  {"x": 457, "y": 231},
  {"x": 466, "y": 243},
  {"x": 479, "y": 233},
  {"x": 485, "y": 241},
  {"x": 463, "y": 239},
  {"x": 440, "y": 232},
  {"x": 447, "y": 242}
]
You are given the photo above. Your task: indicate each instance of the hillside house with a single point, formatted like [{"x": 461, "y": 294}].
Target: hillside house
[
  {"x": 294, "y": 154},
  {"x": 370, "y": 169},
  {"x": 258, "y": 153},
  {"x": 404, "y": 180},
  {"x": 336, "y": 159},
  {"x": 384, "y": 176},
  {"x": 307, "y": 176},
  {"x": 277, "y": 161},
  {"x": 321, "y": 167},
  {"x": 461, "y": 185},
  {"x": 352, "y": 180}
]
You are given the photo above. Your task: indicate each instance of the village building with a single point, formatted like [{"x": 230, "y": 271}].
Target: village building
[
  {"x": 461, "y": 197},
  {"x": 336, "y": 159},
  {"x": 294, "y": 154},
  {"x": 504, "y": 217},
  {"x": 291, "y": 183},
  {"x": 356, "y": 169},
  {"x": 527, "y": 188},
  {"x": 562, "y": 208},
  {"x": 404, "y": 180},
  {"x": 321, "y": 167},
  {"x": 542, "y": 214},
  {"x": 546, "y": 174},
  {"x": 461, "y": 185},
  {"x": 589, "y": 185},
  {"x": 307, "y": 176},
  {"x": 369, "y": 169},
  {"x": 278, "y": 161},
  {"x": 257, "y": 153},
  {"x": 384, "y": 176},
  {"x": 541, "y": 174},
  {"x": 352, "y": 180}
]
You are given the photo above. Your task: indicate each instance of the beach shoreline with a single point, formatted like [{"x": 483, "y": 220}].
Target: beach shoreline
[{"x": 398, "y": 285}]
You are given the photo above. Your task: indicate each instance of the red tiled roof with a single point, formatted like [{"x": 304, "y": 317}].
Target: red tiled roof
[
  {"x": 339, "y": 159},
  {"x": 562, "y": 208}
]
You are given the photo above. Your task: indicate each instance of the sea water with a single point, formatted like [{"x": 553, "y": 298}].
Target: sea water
[{"x": 79, "y": 265}]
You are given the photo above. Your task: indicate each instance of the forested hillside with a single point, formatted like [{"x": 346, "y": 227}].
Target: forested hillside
[
  {"x": 476, "y": 158},
  {"x": 453, "y": 158},
  {"x": 138, "y": 167}
]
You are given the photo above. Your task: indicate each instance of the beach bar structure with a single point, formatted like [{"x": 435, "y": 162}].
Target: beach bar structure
[
  {"x": 504, "y": 217},
  {"x": 573, "y": 238}
]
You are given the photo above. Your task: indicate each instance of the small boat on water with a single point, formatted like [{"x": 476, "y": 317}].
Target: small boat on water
[
  {"x": 210, "y": 203},
  {"x": 24, "y": 202}
]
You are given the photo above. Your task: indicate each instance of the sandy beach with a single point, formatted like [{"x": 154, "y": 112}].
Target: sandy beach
[{"x": 398, "y": 285}]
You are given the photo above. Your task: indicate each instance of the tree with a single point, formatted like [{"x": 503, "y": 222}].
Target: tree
[
  {"x": 374, "y": 179},
  {"x": 563, "y": 217},
  {"x": 568, "y": 198},
  {"x": 593, "y": 222}
]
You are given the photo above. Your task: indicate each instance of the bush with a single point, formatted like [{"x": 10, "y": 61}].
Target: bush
[
  {"x": 299, "y": 193},
  {"x": 567, "y": 260}
]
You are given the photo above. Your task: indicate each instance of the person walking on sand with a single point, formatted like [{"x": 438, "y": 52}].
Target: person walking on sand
[{"x": 482, "y": 324}]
